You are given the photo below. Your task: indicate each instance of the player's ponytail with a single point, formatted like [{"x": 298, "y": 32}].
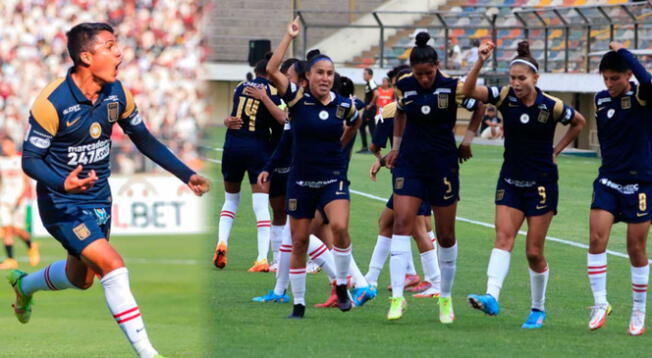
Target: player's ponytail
[{"x": 422, "y": 52}]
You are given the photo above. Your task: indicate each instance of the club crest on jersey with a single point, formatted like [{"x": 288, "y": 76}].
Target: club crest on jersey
[
  {"x": 341, "y": 111},
  {"x": 442, "y": 101},
  {"x": 525, "y": 118},
  {"x": 500, "y": 194},
  {"x": 425, "y": 109},
  {"x": 543, "y": 116},
  {"x": 113, "y": 111},
  {"x": 626, "y": 102},
  {"x": 81, "y": 231},
  {"x": 323, "y": 115},
  {"x": 611, "y": 112},
  {"x": 399, "y": 183},
  {"x": 292, "y": 204},
  {"x": 95, "y": 130}
]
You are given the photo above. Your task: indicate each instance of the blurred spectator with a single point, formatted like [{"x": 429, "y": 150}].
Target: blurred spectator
[
  {"x": 454, "y": 54},
  {"x": 162, "y": 52},
  {"x": 472, "y": 54},
  {"x": 491, "y": 127}
]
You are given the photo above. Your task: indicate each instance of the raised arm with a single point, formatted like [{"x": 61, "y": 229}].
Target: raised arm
[
  {"x": 274, "y": 64},
  {"x": 481, "y": 93},
  {"x": 642, "y": 75}
]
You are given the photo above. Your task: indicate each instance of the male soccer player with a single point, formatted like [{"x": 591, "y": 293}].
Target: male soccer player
[
  {"x": 66, "y": 151},
  {"x": 14, "y": 190}
]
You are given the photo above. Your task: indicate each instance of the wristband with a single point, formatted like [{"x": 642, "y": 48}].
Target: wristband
[{"x": 396, "y": 144}]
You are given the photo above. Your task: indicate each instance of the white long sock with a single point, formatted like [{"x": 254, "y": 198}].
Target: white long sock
[
  {"x": 276, "y": 237},
  {"x": 123, "y": 306},
  {"x": 298, "y": 280},
  {"x": 285, "y": 252},
  {"x": 342, "y": 257},
  {"x": 597, "y": 271},
  {"x": 448, "y": 266},
  {"x": 538, "y": 285},
  {"x": 322, "y": 256},
  {"x": 398, "y": 261},
  {"x": 358, "y": 278},
  {"x": 378, "y": 258},
  {"x": 229, "y": 209},
  {"x": 640, "y": 277},
  {"x": 497, "y": 271},
  {"x": 431, "y": 235},
  {"x": 430, "y": 268},
  {"x": 51, "y": 278},
  {"x": 410, "y": 270},
  {"x": 260, "y": 203}
]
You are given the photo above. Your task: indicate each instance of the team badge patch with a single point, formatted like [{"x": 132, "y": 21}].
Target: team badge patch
[
  {"x": 543, "y": 116},
  {"x": 425, "y": 110},
  {"x": 292, "y": 204},
  {"x": 626, "y": 102},
  {"x": 113, "y": 111},
  {"x": 95, "y": 130},
  {"x": 500, "y": 194},
  {"x": 81, "y": 231},
  {"x": 399, "y": 183},
  {"x": 525, "y": 118},
  {"x": 442, "y": 101},
  {"x": 323, "y": 115},
  {"x": 341, "y": 111}
]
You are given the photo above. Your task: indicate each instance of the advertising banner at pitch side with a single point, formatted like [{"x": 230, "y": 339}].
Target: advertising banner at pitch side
[{"x": 149, "y": 205}]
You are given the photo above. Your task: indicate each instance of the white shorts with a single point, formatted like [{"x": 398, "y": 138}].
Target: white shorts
[{"x": 13, "y": 216}]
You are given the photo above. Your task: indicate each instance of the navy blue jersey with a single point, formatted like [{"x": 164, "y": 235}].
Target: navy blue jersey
[
  {"x": 624, "y": 128},
  {"x": 317, "y": 153},
  {"x": 529, "y": 134},
  {"x": 257, "y": 120},
  {"x": 67, "y": 130},
  {"x": 428, "y": 144}
]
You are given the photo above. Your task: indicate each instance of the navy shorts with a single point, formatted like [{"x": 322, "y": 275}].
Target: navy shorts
[
  {"x": 438, "y": 190},
  {"x": 278, "y": 185},
  {"x": 424, "y": 208},
  {"x": 532, "y": 198},
  {"x": 76, "y": 227},
  {"x": 302, "y": 201},
  {"x": 628, "y": 203},
  {"x": 235, "y": 162}
]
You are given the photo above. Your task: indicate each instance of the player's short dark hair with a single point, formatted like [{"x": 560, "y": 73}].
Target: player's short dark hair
[
  {"x": 422, "y": 52},
  {"x": 285, "y": 66},
  {"x": 312, "y": 54},
  {"x": 614, "y": 62},
  {"x": 346, "y": 87},
  {"x": 82, "y": 36},
  {"x": 261, "y": 66},
  {"x": 337, "y": 83},
  {"x": 300, "y": 69},
  {"x": 369, "y": 71}
]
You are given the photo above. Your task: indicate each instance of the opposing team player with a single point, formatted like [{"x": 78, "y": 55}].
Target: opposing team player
[
  {"x": 14, "y": 191},
  {"x": 67, "y": 151},
  {"x": 527, "y": 185},
  {"x": 246, "y": 149},
  {"x": 623, "y": 189}
]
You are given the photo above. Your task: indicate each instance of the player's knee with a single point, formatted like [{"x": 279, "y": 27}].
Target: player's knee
[
  {"x": 534, "y": 255},
  {"x": 504, "y": 241},
  {"x": 339, "y": 229},
  {"x": 82, "y": 283},
  {"x": 403, "y": 225}
]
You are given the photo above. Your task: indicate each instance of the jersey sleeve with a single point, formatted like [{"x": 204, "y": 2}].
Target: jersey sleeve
[
  {"x": 563, "y": 113},
  {"x": 352, "y": 113},
  {"x": 292, "y": 95},
  {"x": 272, "y": 92},
  {"x": 644, "y": 90},
  {"x": 497, "y": 95},
  {"x": 400, "y": 94}
]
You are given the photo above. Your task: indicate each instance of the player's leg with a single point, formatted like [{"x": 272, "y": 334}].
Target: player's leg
[
  {"x": 8, "y": 240},
  {"x": 277, "y": 202},
  {"x": 431, "y": 286},
  {"x": 300, "y": 232},
  {"x": 538, "y": 267},
  {"x": 19, "y": 224},
  {"x": 260, "y": 203},
  {"x": 445, "y": 231},
  {"x": 600, "y": 222},
  {"x": 233, "y": 170},
  {"x": 640, "y": 273},
  {"x": 337, "y": 212},
  {"x": 382, "y": 247},
  {"x": 508, "y": 222}
]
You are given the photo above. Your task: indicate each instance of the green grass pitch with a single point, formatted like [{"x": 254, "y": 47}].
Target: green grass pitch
[{"x": 240, "y": 327}]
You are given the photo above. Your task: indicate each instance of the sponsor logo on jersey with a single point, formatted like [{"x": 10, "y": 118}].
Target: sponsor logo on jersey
[
  {"x": 113, "y": 111},
  {"x": 72, "y": 109},
  {"x": 604, "y": 100},
  {"x": 442, "y": 90},
  {"x": 42, "y": 143},
  {"x": 410, "y": 93},
  {"x": 626, "y": 102},
  {"x": 81, "y": 231},
  {"x": 112, "y": 97},
  {"x": 96, "y": 130},
  {"x": 71, "y": 123}
]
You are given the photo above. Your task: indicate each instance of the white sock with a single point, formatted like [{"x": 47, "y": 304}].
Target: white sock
[
  {"x": 322, "y": 256},
  {"x": 398, "y": 261},
  {"x": 50, "y": 278},
  {"x": 410, "y": 270},
  {"x": 447, "y": 265},
  {"x": 123, "y": 306},
  {"x": 358, "y": 278},
  {"x": 497, "y": 271},
  {"x": 276, "y": 237},
  {"x": 285, "y": 252},
  {"x": 640, "y": 276},
  {"x": 342, "y": 257},
  {"x": 298, "y": 280},
  {"x": 260, "y": 203},
  {"x": 431, "y": 235},
  {"x": 538, "y": 285},
  {"x": 597, "y": 270},
  {"x": 230, "y": 207},
  {"x": 431, "y": 268},
  {"x": 378, "y": 257}
]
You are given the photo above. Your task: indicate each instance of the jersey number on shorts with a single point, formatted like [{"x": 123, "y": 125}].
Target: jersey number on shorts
[
  {"x": 250, "y": 107},
  {"x": 449, "y": 188},
  {"x": 642, "y": 202},
  {"x": 542, "y": 193}
]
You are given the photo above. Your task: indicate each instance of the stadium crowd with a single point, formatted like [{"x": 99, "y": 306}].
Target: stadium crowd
[{"x": 162, "y": 52}]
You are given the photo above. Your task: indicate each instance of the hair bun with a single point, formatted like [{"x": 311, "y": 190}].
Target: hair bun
[
  {"x": 422, "y": 39},
  {"x": 312, "y": 54},
  {"x": 269, "y": 55},
  {"x": 523, "y": 49}
]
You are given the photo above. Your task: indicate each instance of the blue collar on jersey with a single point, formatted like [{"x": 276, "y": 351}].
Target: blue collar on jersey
[
  {"x": 538, "y": 101},
  {"x": 315, "y": 100}
]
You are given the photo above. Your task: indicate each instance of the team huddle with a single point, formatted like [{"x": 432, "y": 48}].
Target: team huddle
[{"x": 292, "y": 129}]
